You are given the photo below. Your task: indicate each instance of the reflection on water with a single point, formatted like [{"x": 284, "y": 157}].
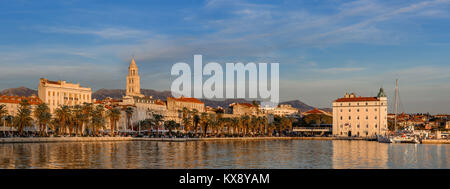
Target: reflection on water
[{"x": 223, "y": 154}]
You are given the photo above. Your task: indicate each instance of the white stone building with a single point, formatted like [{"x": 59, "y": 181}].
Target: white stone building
[
  {"x": 56, "y": 93},
  {"x": 360, "y": 116}
]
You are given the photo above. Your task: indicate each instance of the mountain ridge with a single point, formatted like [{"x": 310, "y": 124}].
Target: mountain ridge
[{"x": 119, "y": 93}]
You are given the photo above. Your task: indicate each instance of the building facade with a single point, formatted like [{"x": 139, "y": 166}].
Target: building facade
[
  {"x": 360, "y": 116},
  {"x": 56, "y": 93},
  {"x": 283, "y": 110},
  {"x": 241, "y": 109},
  {"x": 12, "y": 103}
]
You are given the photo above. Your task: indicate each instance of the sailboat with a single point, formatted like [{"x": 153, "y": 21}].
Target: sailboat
[{"x": 398, "y": 137}]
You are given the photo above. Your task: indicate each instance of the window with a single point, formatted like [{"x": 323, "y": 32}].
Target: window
[
  {"x": 349, "y": 117},
  {"x": 367, "y": 117},
  {"x": 357, "y": 118},
  {"x": 349, "y": 110},
  {"x": 357, "y": 126},
  {"x": 341, "y": 110},
  {"x": 376, "y": 126},
  {"x": 367, "y": 126},
  {"x": 367, "y": 110},
  {"x": 341, "y": 117},
  {"x": 375, "y": 117},
  {"x": 375, "y": 109},
  {"x": 357, "y": 110}
]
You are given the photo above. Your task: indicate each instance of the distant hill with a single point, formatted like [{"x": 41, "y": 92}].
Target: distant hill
[
  {"x": 299, "y": 105},
  {"x": 119, "y": 93},
  {"x": 21, "y": 91}
]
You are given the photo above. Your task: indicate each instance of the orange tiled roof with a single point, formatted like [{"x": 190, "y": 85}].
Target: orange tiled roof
[
  {"x": 160, "y": 103},
  {"x": 33, "y": 100},
  {"x": 184, "y": 99},
  {"x": 315, "y": 111},
  {"x": 356, "y": 99}
]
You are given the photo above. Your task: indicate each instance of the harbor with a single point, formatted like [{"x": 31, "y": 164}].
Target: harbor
[{"x": 224, "y": 154}]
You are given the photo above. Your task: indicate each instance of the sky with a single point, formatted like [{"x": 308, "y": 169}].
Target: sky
[{"x": 325, "y": 48}]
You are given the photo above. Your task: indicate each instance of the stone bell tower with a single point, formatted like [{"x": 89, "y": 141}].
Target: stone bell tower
[{"x": 133, "y": 80}]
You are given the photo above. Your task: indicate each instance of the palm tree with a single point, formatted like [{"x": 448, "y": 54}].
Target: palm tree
[
  {"x": 264, "y": 122},
  {"x": 114, "y": 116},
  {"x": 158, "y": 119},
  {"x": 43, "y": 116},
  {"x": 63, "y": 114},
  {"x": 3, "y": 113},
  {"x": 186, "y": 119},
  {"x": 147, "y": 124},
  {"x": 129, "y": 113},
  {"x": 235, "y": 122},
  {"x": 245, "y": 124},
  {"x": 98, "y": 120},
  {"x": 53, "y": 123},
  {"x": 77, "y": 118},
  {"x": 204, "y": 120},
  {"x": 171, "y": 125},
  {"x": 23, "y": 117},
  {"x": 220, "y": 126},
  {"x": 9, "y": 119},
  {"x": 86, "y": 112},
  {"x": 271, "y": 127},
  {"x": 195, "y": 120}
]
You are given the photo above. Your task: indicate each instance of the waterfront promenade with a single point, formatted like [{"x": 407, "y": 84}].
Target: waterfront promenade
[
  {"x": 109, "y": 139},
  {"x": 105, "y": 139}
]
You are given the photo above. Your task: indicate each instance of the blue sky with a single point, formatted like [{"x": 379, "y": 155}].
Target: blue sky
[{"x": 325, "y": 48}]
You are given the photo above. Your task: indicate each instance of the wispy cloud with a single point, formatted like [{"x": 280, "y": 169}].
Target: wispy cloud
[
  {"x": 107, "y": 33},
  {"x": 338, "y": 70}
]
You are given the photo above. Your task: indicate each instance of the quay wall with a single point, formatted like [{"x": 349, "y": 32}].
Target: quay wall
[
  {"x": 436, "y": 141},
  {"x": 63, "y": 139},
  {"x": 108, "y": 139}
]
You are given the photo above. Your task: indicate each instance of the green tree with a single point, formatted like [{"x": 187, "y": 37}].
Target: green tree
[
  {"x": 77, "y": 119},
  {"x": 23, "y": 117},
  {"x": 43, "y": 117},
  {"x": 114, "y": 116},
  {"x": 171, "y": 125},
  {"x": 98, "y": 120},
  {"x": 86, "y": 111},
  {"x": 158, "y": 119},
  {"x": 3, "y": 113},
  {"x": 63, "y": 114}
]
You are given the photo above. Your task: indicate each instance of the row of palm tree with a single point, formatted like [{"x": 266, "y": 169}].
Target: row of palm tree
[
  {"x": 68, "y": 120},
  {"x": 217, "y": 125},
  {"x": 79, "y": 119}
]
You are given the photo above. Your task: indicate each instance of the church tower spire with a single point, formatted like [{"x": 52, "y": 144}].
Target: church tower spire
[{"x": 133, "y": 80}]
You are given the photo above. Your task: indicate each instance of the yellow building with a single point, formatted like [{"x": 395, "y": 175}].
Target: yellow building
[
  {"x": 360, "y": 116},
  {"x": 56, "y": 93}
]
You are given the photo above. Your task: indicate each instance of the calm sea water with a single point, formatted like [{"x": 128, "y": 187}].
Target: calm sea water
[{"x": 296, "y": 154}]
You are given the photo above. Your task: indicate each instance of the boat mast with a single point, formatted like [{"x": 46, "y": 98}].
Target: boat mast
[{"x": 396, "y": 105}]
